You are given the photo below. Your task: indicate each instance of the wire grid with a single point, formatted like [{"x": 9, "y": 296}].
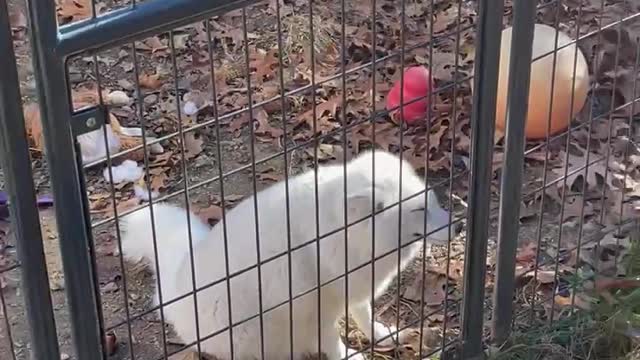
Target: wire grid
[{"x": 289, "y": 148}]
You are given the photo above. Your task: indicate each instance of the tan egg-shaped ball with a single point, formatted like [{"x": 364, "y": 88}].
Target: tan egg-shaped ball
[{"x": 541, "y": 80}]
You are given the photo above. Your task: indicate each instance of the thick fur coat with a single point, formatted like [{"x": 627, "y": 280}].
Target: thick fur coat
[{"x": 393, "y": 224}]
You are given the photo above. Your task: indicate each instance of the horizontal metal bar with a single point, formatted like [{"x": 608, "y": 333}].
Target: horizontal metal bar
[{"x": 137, "y": 22}]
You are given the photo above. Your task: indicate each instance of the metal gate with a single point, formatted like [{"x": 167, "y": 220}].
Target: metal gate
[{"x": 52, "y": 48}]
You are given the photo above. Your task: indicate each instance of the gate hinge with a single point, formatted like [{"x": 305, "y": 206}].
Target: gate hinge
[{"x": 88, "y": 119}]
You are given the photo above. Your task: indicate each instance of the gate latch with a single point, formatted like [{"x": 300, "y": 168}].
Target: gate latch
[{"x": 88, "y": 119}]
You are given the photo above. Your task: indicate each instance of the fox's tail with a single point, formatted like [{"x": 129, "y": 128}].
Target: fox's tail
[{"x": 171, "y": 235}]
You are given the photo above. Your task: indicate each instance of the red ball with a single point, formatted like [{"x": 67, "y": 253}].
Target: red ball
[{"x": 417, "y": 84}]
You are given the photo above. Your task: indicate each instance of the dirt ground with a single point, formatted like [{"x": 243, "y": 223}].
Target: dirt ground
[{"x": 117, "y": 73}]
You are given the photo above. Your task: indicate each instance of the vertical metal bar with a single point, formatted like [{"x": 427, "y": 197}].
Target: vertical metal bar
[
  {"x": 112, "y": 193},
  {"x": 399, "y": 234},
  {"x": 430, "y": 99},
  {"x": 482, "y": 127},
  {"x": 285, "y": 150},
  {"x": 145, "y": 158},
  {"x": 254, "y": 181},
  {"x": 454, "y": 122},
  {"x": 316, "y": 146},
  {"x": 16, "y": 165},
  {"x": 65, "y": 179},
  {"x": 588, "y": 151},
  {"x": 187, "y": 199},
  {"x": 374, "y": 41},
  {"x": 343, "y": 76},
  {"x": 545, "y": 165},
  {"x": 216, "y": 116},
  {"x": 567, "y": 146},
  {"x": 511, "y": 189}
]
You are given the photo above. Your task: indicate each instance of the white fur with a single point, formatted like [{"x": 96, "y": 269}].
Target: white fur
[{"x": 209, "y": 254}]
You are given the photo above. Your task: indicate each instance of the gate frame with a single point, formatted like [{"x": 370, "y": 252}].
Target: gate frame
[{"x": 25, "y": 222}]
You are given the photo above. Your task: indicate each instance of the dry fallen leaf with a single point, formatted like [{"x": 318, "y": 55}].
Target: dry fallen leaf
[
  {"x": 431, "y": 339},
  {"x": 158, "y": 182},
  {"x": 152, "y": 82},
  {"x": 605, "y": 283},
  {"x": 155, "y": 44},
  {"x": 456, "y": 269},
  {"x": 269, "y": 175},
  {"x": 74, "y": 9},
  {"x": 192, "y": 145},
  {"x": 527, "y": 253},
  {"x": 209, "y": 215},
  {"x": 238, "y": 123},
  {"x": 122, "y": 206},
  {"x": 99, "y": 201},
  {"x": 324, "y": 111},
  {"x": 433, "y": 286},
  {"x": 130, "y": 142},
  {"x": 577, "y": 166},
  {"x": 264, "y": 128},
  {"x": 264, "y": 63},
  {"x": 34, "y": 126},
  {"x": 325, "y": 152}
]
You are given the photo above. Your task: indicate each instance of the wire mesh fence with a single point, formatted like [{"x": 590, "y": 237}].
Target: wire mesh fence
[{"x": 216, "y": 191}]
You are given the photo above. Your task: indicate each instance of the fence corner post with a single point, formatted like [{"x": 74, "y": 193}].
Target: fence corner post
[
  {"x": 66, "y": 180},
  {"x": 490, "y": 13},
  {"x": 511, "y": 183},
  {"x": 16, "y": 165}
]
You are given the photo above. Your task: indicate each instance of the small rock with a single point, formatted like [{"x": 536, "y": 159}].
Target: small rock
[
  {"x": 118, "y": 98},
  {"x": 64, "y": 356},
  {"x": 110, "y": 287},
  {"x": 125, "y": 84},
  {"x": 127, "y": 66},
  {"x": 203, "y": 160},
  {"x": 190, "y": 108},
  {"x": 151, "y": 99}
]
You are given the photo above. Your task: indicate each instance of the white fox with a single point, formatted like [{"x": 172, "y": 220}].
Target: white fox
[{"x": 394, "y": 224}]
